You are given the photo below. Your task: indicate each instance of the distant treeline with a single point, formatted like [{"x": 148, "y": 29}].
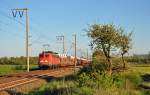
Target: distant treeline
[
  {"x": 17, "y": 60},
  {"x": 34, "y": 60},
  {"x": 138, "y": 59},
  {"x": 98, "y": 57}
]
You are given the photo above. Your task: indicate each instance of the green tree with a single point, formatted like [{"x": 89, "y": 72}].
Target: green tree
[
  {"x": 124, "y": 43},
  {"x": 104, "y": 37},
  {"x": 97, "y": 53},
  {"x": 98, "y": 57}
]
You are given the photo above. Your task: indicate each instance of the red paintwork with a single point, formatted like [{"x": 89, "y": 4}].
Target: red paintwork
[{"x": 46, "y": 58}]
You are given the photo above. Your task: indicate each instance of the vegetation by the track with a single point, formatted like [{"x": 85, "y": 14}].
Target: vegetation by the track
[
  {"x": 92, "y": 80},
  {"x": 9, "y": 65},
  {"x": 9, "y": 69}
]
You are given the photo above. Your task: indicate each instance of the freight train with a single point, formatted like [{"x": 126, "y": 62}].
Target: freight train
[{"x": 52, "y": 60}]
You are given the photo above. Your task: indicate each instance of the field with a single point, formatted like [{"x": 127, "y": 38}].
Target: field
[
  {"x": 144, "y": 71},
  {"x": 140, "y": 68},
  {"x": 9, "y": 69}
]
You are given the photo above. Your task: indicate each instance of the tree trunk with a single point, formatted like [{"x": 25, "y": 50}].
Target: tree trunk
[
  {"x": 124, "y": 64},
  {"x": 110, "y": 65}
]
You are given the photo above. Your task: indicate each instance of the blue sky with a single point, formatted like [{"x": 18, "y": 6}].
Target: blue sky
[{"x": 51, "y": 18}]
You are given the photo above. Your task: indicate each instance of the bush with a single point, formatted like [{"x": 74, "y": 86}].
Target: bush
[
  {"x": 95, "y": 67},
  {"x": 63, "y": 88},
  {"x": 83, "y": 91},
  {"x": 19, "y": 67},
  {"x": 96, "y": 80},
  {"x": 55, "y": 88},
  {"x": 86, "y": 80}
]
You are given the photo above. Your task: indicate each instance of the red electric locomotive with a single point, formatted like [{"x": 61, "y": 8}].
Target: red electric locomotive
[{"x": 48, "y": 59}]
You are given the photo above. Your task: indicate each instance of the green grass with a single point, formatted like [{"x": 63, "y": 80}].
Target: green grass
[
  {"x": 140, "y": 71},
  {"x": 147, "y": 84},
  {"x": 140, "y": 68},
  {"x": 57, "y": 87},
  {"x": 9, "y": 69}
]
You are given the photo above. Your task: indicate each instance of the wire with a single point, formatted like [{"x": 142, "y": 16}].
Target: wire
[
  {"x": 34, "y": 30},
  {"x": 6, "y": 24},
  {"x": 10, "y": 33},
  {"x": 5, "y": 15},
  {"x": 3, "y": 23}
]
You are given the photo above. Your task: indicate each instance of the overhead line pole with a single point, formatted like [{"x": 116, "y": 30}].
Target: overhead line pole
[
  {"x": 62, "y": 38},
  {"x": 87, "y": 54},
  {"x": 75, "y": 51},
  {"x": 27, "y": 41},
  {"x": 27, "y": 36}
]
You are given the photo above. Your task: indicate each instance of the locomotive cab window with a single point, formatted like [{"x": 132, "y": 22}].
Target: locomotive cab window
[
  {"x": 41, "y": 55},
  {"x": 46, "y": 55}
]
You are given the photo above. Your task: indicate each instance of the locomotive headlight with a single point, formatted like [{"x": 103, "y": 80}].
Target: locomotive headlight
[
  {"x": 46, "y": 61},
  {"x": 41, "y": 61}
]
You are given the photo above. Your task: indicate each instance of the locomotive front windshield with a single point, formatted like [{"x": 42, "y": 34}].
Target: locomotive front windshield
[
  {"x": 46, "y": 55},
  {"x": 43, "y": 55}
]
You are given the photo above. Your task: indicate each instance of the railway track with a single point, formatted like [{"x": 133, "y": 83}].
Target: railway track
[{"x": 31, "y": 77}]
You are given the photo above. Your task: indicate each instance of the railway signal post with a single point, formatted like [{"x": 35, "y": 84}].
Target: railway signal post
[
  {"x": 21, "y": 11},
  {"x": 87, "y": 54}
]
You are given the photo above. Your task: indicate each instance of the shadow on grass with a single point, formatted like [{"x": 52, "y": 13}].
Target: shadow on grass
[
  {"x": 146, "y": 77},
  {"x": 13, "y": 92},
  {"x": 34, "y": 69},
  {"x": 50, "y": 78},
  {"x": 56, "y": 91},
  {"x": 145, "y": 88}
]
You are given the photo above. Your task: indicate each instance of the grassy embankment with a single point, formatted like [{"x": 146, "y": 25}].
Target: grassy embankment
[
  {"x": 92, "y": 80},
  {"x": 9, "y": 69}
]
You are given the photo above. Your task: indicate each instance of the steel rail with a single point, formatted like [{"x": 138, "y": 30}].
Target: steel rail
[{"x": 23, "y": 81}]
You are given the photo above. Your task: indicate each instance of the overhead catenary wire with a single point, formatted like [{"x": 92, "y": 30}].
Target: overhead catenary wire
[
  {"x": 36, "y": 34},
  {"x": 5, "y": 15},
  {"x": 10, "y": 33},
  {"x": 38, "y": 37},
  {"x": 19, "y": 22}
]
